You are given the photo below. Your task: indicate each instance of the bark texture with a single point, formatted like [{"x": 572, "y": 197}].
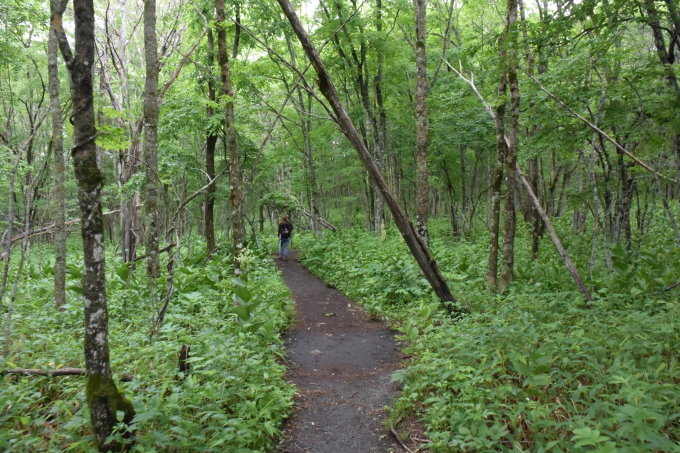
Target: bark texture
[
  {"x": 422, "y": 173},
  {"x": 509, "y": 219},
  {"x": 102, "y": 395},
  {"x": 418, "y": 248},
  {"x": 59, "y": 169},
  {"x": 151, "y": 140}
]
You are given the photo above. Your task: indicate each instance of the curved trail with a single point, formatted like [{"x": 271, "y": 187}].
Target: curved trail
[{"x": 341, "y": 364}]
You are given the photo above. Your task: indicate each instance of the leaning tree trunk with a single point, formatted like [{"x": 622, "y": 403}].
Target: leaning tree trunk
[
  {"x": 102, "y": 395},
  {"x": 422, "y": 187},
  {"x": 509, "y": 220},
  {"x": 234, "y": 173},
  {"x": 59, "y": 168},
  {"x": 418, "y": 247},
  {"x": 151, "y": 140}
]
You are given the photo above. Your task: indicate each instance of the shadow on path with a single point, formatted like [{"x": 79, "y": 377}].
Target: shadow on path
[{"x": 341, "y": 364}]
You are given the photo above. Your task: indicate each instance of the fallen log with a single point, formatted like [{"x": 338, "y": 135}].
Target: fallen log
[{"x": 59, "y": 372}]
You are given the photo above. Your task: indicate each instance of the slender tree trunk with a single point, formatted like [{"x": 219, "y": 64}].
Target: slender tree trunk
[
  {"x": 151, "y": 140},
  {"x": 418, "y": 248},
  {"x": 422, "y": 188},
  {"x": 20, "y": 267},
  {"x": 381, "y": 139},
  {"x": 211, "y": 142},
  {"x": 534, "y": 175},
  {"x": 103, "y": 397},
  {"x": 234, "y": 172},
  {"x": 497, "y": 176},
  {"x": 509, "y": 221},
  {"x": 59, "y": 169}
]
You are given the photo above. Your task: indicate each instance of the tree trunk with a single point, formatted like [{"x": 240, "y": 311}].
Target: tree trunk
[
  {"x": 418, "y": 247},
  {"x": 422, "y": 188},
  {"x": 381, "y": 139},
  {"x": 59, "y": 169},
  {"x": 151, "y": 140},
  {"x": 232, "y": 146},
  {"x": 509, "y": 221},
  {"x": 102, "y": 395},
  {"x": 497, "y": 176},
  {"x": 211, "y": 142}
]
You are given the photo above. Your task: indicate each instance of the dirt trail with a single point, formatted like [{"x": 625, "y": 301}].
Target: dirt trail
[{"x": 341, "y": 364}]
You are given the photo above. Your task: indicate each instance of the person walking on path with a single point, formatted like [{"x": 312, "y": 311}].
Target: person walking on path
[{"x": 285, "y": 229}]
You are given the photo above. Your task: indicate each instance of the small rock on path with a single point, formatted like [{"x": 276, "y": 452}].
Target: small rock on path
[{"x": 341, "y": 364}]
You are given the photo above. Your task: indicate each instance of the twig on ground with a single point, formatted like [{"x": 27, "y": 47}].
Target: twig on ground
[
  {"x": 59, "y": 372},
  {"x": 675, "y": 285},
  {"x": 396, "y": 436}
]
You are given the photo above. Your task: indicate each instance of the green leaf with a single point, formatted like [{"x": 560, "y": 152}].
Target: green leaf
[
  {"x": 76, "y": 289},
  {"x": 123, "y": 271},
  {"x": 243, "y": 312},
  {"x": 243, "y": 293}
]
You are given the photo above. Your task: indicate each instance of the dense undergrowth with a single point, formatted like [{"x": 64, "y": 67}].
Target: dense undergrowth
[
  {"x": 233, "y": 399},
  {"x": 534, "y": 370}
]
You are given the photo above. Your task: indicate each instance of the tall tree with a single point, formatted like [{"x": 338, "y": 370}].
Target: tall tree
[
  {"x": 381, "y": 141},
  {"x": 501, "y": 156},
  {"x": 210, "y": 143},
  {"x": 59, "y": 168},
  {"x": 151, "y": 140},
  {"x": 103, "y": 397},
  {"x": 227, "y": 93},
  {"x": 423, "y": 186},
  {"x": 509, "y": 219}
]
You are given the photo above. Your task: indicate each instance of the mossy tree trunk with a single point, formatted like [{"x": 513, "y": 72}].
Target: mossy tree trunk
[
  {"x": 227, "y": 93},
  {"x": 103, "y": 397}
]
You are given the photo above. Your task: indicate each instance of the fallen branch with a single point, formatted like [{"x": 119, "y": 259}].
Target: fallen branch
[
  {"x": 601, "y": 132},
  {"x": 665, "y": 290},
  {"x": 16, "y": 240},
  {"x": 396, "y": 436},
  {"x": 164, "y": 249},
  {"x": 59, "y": 372},
  {"x": 556, "y": 240}
]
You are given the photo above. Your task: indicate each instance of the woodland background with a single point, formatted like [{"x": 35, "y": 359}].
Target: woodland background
[{"x": 211, "y": 125}]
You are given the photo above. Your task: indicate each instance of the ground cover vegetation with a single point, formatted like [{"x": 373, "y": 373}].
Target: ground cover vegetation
[
  {"x": 165, "y": 130},
  {"x": 231, "y": 395},
  {"x": 534, "y": 369}
]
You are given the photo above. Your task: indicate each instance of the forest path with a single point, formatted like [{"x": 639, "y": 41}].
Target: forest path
[{"x": 341, "y": 364}]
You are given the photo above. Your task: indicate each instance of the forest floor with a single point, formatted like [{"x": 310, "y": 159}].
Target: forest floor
[{"x": 341, "y": 363}]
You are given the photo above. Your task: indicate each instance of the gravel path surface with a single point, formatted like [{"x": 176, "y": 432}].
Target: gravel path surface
[{"x": 341, "y": 364}]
